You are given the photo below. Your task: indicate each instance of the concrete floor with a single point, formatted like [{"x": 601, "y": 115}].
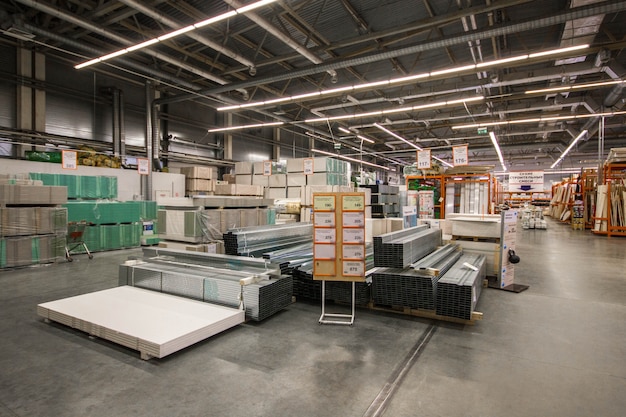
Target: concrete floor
[{"x": 558, "y": 349}]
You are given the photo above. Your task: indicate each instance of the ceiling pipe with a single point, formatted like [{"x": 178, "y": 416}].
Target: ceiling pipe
[
  {"x": 38, "y": 5},
  {"x": 161, "y": 18},
  {"x": 559, "y": 18}
]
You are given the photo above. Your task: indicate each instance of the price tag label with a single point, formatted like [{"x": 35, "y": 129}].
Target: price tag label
[
  {"x": 325, "y": 236},
  {"x": 423, "y": 159},
  {"x": 143, "y": 166},
  {"x": 323, "y": 202},
  {"x": 354, "y": 219},
  {"x": 267, "y": 167},
  {"x": 324, "y": 219},
  {"x": 356, "y": 252},
  {"x": 354, "y": 268},
  {"x": 353, "y": 202},
  {"x": 308, "y": 166},
  {"x": 459, "y": 155},
  {"x": 324, "y": 251},
  {"x": 353, "y": 235},
  {"x": 69, "y": 160}
]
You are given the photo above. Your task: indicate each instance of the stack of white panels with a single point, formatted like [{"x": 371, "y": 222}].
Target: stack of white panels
[{"x": 153, "y": 323}]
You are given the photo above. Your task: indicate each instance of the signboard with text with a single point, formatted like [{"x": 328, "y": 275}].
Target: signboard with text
[
  {"x": 525, "y": 181},
  {"x": 459, "y": 155}
]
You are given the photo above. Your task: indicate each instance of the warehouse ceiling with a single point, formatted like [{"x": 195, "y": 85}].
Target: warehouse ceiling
[{"x": 399, "y": 73}]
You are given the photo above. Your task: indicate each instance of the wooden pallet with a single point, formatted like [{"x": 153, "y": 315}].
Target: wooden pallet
[
  {"x": 427, "y": 314},
  {"x": 476, "y": 239}
]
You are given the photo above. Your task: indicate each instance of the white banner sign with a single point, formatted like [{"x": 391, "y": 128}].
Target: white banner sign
[
  {"x": 423, "y": 159},
  {"x": 459, "y": 155},
  {"x": 526, "y": 181}
]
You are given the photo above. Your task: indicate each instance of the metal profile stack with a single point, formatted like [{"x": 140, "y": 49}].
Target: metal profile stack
[
  {"x": 400, "y": 249},
  {"x": 212, "y": 278},
  {"x": 414, "y": 287},
  {"x": 256, "y": 240},
  {"x": 458, "y": 289}
]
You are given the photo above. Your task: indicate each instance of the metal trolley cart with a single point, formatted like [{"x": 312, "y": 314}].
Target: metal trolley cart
[{"x": 75, "y": 239}]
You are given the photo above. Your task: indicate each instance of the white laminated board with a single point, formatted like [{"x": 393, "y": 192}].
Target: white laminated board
[{"x": 153, "y": 323}]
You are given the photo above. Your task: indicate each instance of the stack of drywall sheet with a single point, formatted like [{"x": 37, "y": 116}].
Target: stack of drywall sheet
[
  {"x": 29, "y": 250},
  {"x": 238, "y": 189},
  {"x": 81, "y": 186},
  {"x": 24, "y": 221},
  {"x": 154, "y": 324},
  {"x": 104, "y": 212},
  {"x": 32, "y": 195}
]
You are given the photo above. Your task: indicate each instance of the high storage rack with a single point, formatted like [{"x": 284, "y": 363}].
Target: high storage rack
[
  {"x": 470, "y": 193},
  {"x": 612, "y": 223},
  {"x": 435, "y": 183}
]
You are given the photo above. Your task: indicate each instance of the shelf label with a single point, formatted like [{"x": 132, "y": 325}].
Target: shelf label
[
  {"x": 323, "y": 202},
  {"x": 267, "y": 168},
  {"x": 325, "y": 236},
  {"x": 325, "y": 251},
  {"x": 356, "y": 252},
  {"x": 459, "y": 155},
  {"x": 353, "y": 235},
  {"x": 143, "y": 166},
  {"x": 324, "y": 219},
  {"x": 307, "y": 166},
  {"x": 353, "y": 202},
  {"x": 423, "y": 159},
  {"x": 69, "y": 160},
  {"x": 354, "y": 219},
  {"x": 354, "y": 268}
]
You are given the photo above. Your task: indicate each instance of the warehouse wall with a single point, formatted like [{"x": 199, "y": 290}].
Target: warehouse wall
[{"x": 8, "y": 92}]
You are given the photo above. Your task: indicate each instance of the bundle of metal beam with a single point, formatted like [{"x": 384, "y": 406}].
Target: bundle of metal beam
[
  {"x": 261, "y": 299},
  {"x": 255, "y": 240},
  {"x": 304, "y": 287},
  {"x": 458, "y": 289},
  {"x": 414, "y": 287},
  {"x": 401, "y": 248},
  {"x": 233, "y": 263}
]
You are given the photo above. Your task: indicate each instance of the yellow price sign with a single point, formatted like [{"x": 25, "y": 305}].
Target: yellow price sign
[
  {"x": 353, "y": 202},
  {"x": 324, "y": 202}
]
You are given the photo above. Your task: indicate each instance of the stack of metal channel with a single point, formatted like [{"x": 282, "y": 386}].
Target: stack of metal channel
[
  {"x": 414, "y": 287},
  {"x": 458, "y": 289},
  {"x": 212, "y": 278},
  {"x": 401, "y": 248},
  {"x": 256, "y": 240}
]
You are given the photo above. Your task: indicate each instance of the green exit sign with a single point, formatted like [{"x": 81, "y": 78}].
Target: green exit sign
[{"x": 482, "y": 131}]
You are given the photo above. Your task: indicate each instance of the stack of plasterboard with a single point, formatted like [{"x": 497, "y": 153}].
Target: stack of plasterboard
[
  {"x": 155, "y": 324},
  {"x": 81, "y": 186}
]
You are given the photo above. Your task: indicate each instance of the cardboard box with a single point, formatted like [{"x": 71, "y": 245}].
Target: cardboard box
[
  {"x": 199, "y": 172},
  {"x": 295, "y": 165}
]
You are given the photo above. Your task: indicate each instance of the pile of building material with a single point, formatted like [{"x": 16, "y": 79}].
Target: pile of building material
[{"x": 400, "y": 249}]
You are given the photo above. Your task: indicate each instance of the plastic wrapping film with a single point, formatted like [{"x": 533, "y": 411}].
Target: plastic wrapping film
[
  {"x": 111, "y": 237},
  {"x": 81, "y": 186},
  {"x": 24, "y": 221},
  {"x": 31, "y": 250},
  {"x": 32, "y": 194},
  {"x": 104, "y": 211}
]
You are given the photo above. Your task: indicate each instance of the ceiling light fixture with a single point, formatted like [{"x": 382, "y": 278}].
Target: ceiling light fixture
[
  {"x": 347, "y": 158},
  {"x": 378, "y": 113},
  {"x": 538, "y": 119},
  {"x": 494, "y": 140},
  {"x": 389, "y": 132},
  {"x": 177, "y": 32},
  {"x": 226, "y": 129},
  {"x": 569, "y": 148},
  {"x": 574, "y": 87},
  {"x": 405, "y": 79},
  {"x": 363, "y": 138}
]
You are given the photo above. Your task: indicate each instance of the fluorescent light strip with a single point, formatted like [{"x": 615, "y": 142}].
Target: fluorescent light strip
[
  {"x": 538, "y": 119},
  {"x": 569, "y": 148},
  {"x": 365, "y": 139},
  {"x": 494, "y": 140},
  {"x": 226, "y": 129},
  {"x": 347, "y": 158},
  {"x": 392, "y": 111},
  {"x": 177, "y": 32},
  {"x": 443, "y": 162},
  {"x": 389, "y": 132},
  {"x": 408, "y": 78},
  {"x": 574, "y": 87}
]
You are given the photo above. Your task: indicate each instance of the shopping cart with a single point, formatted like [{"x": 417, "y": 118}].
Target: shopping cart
[{"x": 75, "y": 239}]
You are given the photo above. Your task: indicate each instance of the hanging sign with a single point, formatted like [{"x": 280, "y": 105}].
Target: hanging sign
[
  {"x": 526, "y": 181},
  {"x": 143, "y": 166},
  {"x": 423, "y": 159},
  {"x": 69, "y": 160},
  {"x": 459, "y": 155},
  {"x": 307, "y": 166}
]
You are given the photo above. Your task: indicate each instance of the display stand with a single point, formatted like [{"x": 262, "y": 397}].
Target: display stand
[
  {"x": 506, "y": 277},
  {"x": 338, "y": 245}
]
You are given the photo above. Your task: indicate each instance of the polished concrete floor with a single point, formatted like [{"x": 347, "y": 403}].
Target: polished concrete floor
[{"x": 557, "y": 349}]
